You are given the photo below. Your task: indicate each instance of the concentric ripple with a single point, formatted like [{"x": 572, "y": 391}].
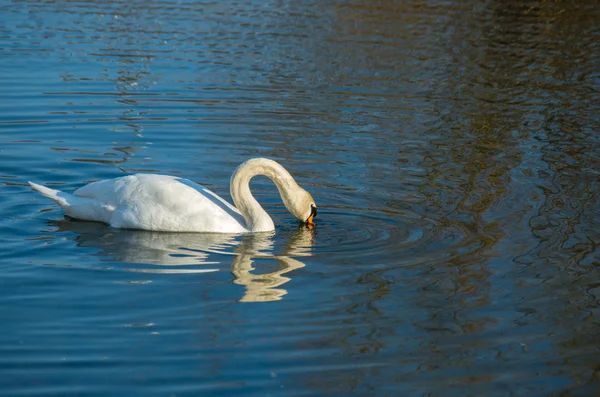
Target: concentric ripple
[{"x": 385, "y": 234}]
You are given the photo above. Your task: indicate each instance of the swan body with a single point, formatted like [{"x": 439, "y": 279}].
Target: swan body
[{"x": 173, "y": 204}]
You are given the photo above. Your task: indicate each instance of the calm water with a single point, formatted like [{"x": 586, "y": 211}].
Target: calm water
[{"x": 452, "y": 148}]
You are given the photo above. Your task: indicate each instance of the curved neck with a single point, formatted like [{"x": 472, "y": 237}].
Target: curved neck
[{"x": 257, "y": 220}]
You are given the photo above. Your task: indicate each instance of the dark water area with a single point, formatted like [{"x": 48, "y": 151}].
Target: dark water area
[{"x": 452, "y": 148}]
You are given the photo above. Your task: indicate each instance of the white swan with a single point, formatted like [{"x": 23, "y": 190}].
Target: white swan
[{"x": 173, "y": 204}]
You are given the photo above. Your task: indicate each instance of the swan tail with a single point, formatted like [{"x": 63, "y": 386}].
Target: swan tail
[
  {"x": 56, "y": 195},
  {"x": 77, "y": 207}
]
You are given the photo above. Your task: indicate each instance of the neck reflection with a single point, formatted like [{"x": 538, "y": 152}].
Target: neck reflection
[{"x": 265, "y": 287}]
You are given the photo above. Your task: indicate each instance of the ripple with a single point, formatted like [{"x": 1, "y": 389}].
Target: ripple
[
  {"x": 355, "y": 232},
  {"x": 373, "y": 235}
]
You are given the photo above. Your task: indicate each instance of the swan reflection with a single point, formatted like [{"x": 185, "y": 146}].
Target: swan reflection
[
  {"x": 196, "y": 252},
  {"x": 263, "y": 287}
]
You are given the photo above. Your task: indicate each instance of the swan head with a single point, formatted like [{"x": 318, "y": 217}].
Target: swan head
[{"x": 301, "y": 204}]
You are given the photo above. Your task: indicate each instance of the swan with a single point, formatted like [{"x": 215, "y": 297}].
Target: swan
[{"x": 172, "y": 204}]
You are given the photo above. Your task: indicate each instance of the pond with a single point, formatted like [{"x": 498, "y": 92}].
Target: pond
[{"x": 452, "y": 149}]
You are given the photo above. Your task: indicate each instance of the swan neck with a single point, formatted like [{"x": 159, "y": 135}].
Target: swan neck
[{"x": 257, "y": 219}]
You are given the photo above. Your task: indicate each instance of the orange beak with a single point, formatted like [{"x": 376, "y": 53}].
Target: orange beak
[{"x": 313, "y": 212}]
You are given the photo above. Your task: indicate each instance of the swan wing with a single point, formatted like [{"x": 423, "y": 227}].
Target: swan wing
[{"x": 164, "y": 203}]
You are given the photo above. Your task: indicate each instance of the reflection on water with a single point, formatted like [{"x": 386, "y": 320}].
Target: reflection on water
[
  {"x": 264, "y": 287},
  {"x": 178, "y": 253}
]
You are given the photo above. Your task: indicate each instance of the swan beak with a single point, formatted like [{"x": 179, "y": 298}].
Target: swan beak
[{"x": 313, "y": 213}]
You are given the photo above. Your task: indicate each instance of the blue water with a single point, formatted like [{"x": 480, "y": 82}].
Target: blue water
[{"x": 452, "y": 148}]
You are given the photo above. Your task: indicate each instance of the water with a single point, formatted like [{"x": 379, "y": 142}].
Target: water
[{"x": 452, "y": 148}]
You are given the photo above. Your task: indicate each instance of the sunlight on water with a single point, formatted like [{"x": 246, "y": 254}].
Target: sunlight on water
[{"x": 451, "y": 147}]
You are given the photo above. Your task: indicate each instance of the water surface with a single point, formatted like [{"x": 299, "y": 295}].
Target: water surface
[{"x": 451, "y": 146}]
